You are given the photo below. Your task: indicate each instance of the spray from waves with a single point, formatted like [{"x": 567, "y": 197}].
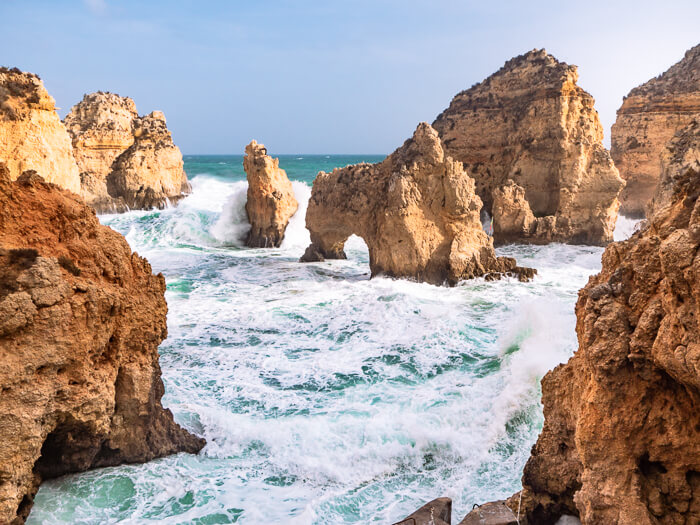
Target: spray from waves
[
  {"x": 232, "y": 226},
  {"x": 625, "y": 227}
]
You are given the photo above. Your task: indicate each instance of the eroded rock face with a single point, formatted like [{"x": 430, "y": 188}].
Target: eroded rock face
[
  {"x": 125, "y": 161},
  {"x": 81, "y": 318},
  {"x": 271, "y": 202},
  {"x": 416, "y": 211},
  {"x": 621, "y": 439},
  {"x": 530, "y": 123},
  {"x": 32, "y": 136},
  {"x": 649, "y": 117}
]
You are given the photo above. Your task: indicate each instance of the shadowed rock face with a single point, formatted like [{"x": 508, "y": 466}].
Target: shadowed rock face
[
  {"x": 31, "y": 134},
  {"x": 649, "y": 117},
  {"x": 530, "y": 123},
  {"x": 621, "y": 438},
  {"x": 125, "y": 161},
  {"x": 271, "y": 202},
  {"x": 81, "y": 318},
  {"x": 416, "y": 211}
]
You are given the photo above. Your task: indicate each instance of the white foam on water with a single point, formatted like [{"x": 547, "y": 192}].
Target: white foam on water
[
  {"x": 324, "y": 396},
  {"x": 625, "y": 227}
]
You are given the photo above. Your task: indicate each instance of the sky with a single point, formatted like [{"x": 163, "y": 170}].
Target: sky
[{"x": 352, "y": 76}]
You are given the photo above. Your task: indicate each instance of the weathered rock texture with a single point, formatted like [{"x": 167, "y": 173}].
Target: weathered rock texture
[
  {"x": 125, "y": 161},
  {"x": 530, "y": 123},
  {"x": 436, "y": 512},
  {"x": 649, "y": 117},
  {"x": 81, "y": 318},
  {"x": 621, "y": 439},
  {"x": 31, "y": 134},
  {"x": 416, "y": 211},
  {"x": 271, "y": 202}
]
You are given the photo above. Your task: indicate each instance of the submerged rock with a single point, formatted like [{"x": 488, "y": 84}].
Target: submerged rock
[
  {"x": 416, "y": 211},
  {"x": 621, "y": 438},
  {"x": 81, "y": 318},
  {"x": 125, "y": 161},
  {"x": 531, "y": 124},
  {"x": 649, "y": 117},
  {"x": 32, "y": 136},
  {"x": 271, "y": 202}
]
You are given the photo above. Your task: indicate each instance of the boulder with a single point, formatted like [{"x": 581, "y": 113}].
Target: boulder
[
  {"x": 81, "y": 318},
  {"x": 32, "y": 136},
  {"x": 271, "y": 202},
  {"x": 493, "y": 513},
  {"x": 417, "y": 211},
  {"x": 649, "y": 117},
  {"x": 530, "y": 123},
  {"x": 436, "y": 512}
]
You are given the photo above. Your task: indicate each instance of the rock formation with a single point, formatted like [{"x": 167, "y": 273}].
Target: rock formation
[
  {"x": 31, "y": 134},
  {"x": 531, "y": 124},
  {"x": 436, "y": 512},
  {"x": 81, "y": 318},
  {"x": 125, "y": 161},
  {"x": 271, "y": 202},
  {"x": 649, "y": 117},
  {"x": 416, "y": 211},
  {"x": 621, "y": 438}
]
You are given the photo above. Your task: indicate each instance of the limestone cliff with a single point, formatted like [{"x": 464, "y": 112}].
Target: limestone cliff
[
  {"x": 125, "y": 161},
  {"x": 649, "y": 117},
  {"x": 31, "y": 134},
  {"x": 416, "y": 211},
  {"x": 621, "y": 439},
  {"x": 271, "y": 202},
  {"x": 531, "y": 123},
  {"x": 81, "y": 318}
]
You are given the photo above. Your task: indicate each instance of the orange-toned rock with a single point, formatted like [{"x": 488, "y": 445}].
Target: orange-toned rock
[
  {"x": 81, "y": 318},
  {"x": 32, "y": 136},
  {"x": 649, "y": 117},
  {"x": 531, "y": 123},
  {"x": 416, "y": 211},
  {"x": 271, "y": 202}
]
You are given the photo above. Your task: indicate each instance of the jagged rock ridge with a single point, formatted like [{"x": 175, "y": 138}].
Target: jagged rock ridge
[{"x": 530, "y": 123}]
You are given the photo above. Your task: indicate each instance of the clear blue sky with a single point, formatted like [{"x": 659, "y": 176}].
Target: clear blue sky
[{"x": 351, "y": 76}]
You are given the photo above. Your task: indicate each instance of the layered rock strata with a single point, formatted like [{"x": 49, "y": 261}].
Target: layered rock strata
[
  {"x": 271, "y": 202},
  {"x": 649, "y": 117},
  {"x": 417, "y": 211},
  {"x": 125, "y": 161},
  {"x": 81, "y": 318},
  {"x": 31, "y": 134},
  {"x": 530, "y": 123},
  {"x": 621, "y": 438}
]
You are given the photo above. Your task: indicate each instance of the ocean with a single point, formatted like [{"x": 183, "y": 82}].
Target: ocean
[{"x": 326, "y": 397}]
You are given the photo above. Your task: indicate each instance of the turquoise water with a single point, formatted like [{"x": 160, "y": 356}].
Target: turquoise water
[{"x": 326, "y": 397}]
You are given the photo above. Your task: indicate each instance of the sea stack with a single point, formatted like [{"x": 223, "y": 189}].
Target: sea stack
[
  {"x": 621, "y": 438},
  {"x": 81, "y": 318},
  {"x": 530, "y": 123},
  {"x": 649, "y": 117},
  {"x": 417, "y": 211},
  {"x": 125, "y": 161},
  {"x": 271, "y": 202},
  {"x": 32, "y": 136}
]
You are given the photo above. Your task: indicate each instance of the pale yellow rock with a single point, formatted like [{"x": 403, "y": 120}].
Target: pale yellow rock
[
  {"x": 32, "y": 136},
  {"x": 531, "y": 123}
]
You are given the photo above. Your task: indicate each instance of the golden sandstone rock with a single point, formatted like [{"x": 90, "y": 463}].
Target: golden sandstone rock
[
  {"x": 271, "y": 202},
  {"x": 32, "y": 136},
  {"x": 81, "y": 318},
  {"x": 416, "y": 211},
  {"x": 530, "y": 123},
  {"x": 649, "y": 117},
  {"x": 125, "y": 161},
  {"x": 621, "y": 438}
]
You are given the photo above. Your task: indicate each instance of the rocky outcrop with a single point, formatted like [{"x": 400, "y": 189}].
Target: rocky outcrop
[
  {"x": 271, "y": 202},
  {"x": 31, "y": 134},
  {"x": 416, "y": 211},
  {"x": 649, "y": 117},
  {"x": 125, "y": 161},
  {"x": 531, "y": 124},
  {"x": 436, "y": 512},
  {"x": 621, "y": 438},
  {"x": 81, "y": 318}
]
